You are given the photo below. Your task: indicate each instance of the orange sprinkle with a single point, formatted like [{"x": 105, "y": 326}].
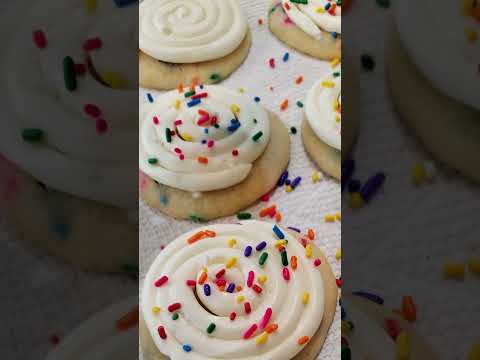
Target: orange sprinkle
[
  {"x": 202, "y": 278},
  {"x": 128, "y": 320},
  {"x": 194, "y": 238},
  {"x": 409, "y": 310},
  {"x": 311, "y": 234},
  {"x": 293, "y": 262},
  {"x": 299, "y": 80},
  {"x": 287, "y": 6},
  {"x": 266, "y": 211},
  {"x": 278, "y": 217},
  {"x": 284, "y": 105},
  {"x": 238, "y": 288},
  {"x": 303, "y": 340},
  {"x": 194, "y": 83},
  {"x": 180, "y": 88},
  {"x": 271, "y": 328},
  {"x": 202, "y": 160},
  {"x": 260, "y": 21},
  {"x": 476, "y": 12},
  {"x": 210, "y": 233}
]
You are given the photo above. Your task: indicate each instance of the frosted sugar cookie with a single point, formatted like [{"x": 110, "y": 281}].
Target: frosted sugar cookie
[
  {"x": 110, "y": 334},
  {"x": 264, "y": 297},
  {"x": 371, "y": 331},
  {"x": 209, "y": 152},
  {"x": 69, "y": 124},
  {"x": 441, "y": 64},
  {"x": 311, "y": 26},
  {"x": 185, "y": 40}
]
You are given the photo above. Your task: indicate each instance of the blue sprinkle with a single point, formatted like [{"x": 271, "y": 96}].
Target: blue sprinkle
[
  {"x": 201, "y": 86},
  {"x": 205, "y": 130},
  {"x": 354, "y": 185},
  {"x": 187, "y": 348},
  {"x": 206, "y": 290},
  {"x": 261, "y": 246},
  {"x": 348, "y": 168},
  {"x": 283, "y": 178},
  {"x": 61, "y": 229},
  {"x": 286, "y": 57},
  {"x": 248, "y": 251},
  {"x": 150, "y": 97},
  {"x": 370, "y": 188},
  {"x": 278, "y": 232},
  {"x": 194, "y": 102},
  {"x": 327, "y": 6},
  {"x": 164, "y": 200},
  {"x": 204, "y": 141},
  {"x": 230, "y": 288},
  {"x": 257, "y": 99},
  {"x": 369, "y": 296},
  {"x": 296, "y": 182},
  {"x": 235, "y": 124},
  {"x": 334, "y": 35},
  {"x": 287, "y": 182},
  {"x": 122, "y": 3}
]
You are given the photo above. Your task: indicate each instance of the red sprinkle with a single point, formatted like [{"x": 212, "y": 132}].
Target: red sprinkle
[
  {"x": 393, "y": 328},
  {"x": 339, "y": 282},
  {"x": 191, "y": 283},
  {"x": 177, "y": 150},
  {"x": 174, "y": 307},
  {"x": 265, "y": 197},
  {"x": 248, "y": 307},
  {"x": 40, "y": 39},
  {"x": 210, "y": 143},
  {"x": 286, "y": 274},
  {"x": 233, "y": 315},
  {"x": 182, "y": 157},
  {"x": 260, "y": 21},
  {"x": 200, "y": 96},
  {"x": 54, "y": 339},
  {"x": 162, "y": 333},
  {"x": 317, "y": 262},
  {"x": 257, "y": 289},
  {"x": 299, "y": 80},
  {"x": 101, "y": 125},
  {"x": 287, "y": 6},
  {"x": 271, "y": 62},
  {"x": 92, "y": 44},
  {"x": 221, "y": 282},
  {"x": 235, "y": 152},
  {"x": 155, "y": 120},
  {"x": 251, "y": 330},
  {"x": 178, "y": 122},
  {"x": 80, "y": 69},
  {"x": 220, "y": 273},
  {"x": 250, "y": 278},
  {"x": 162, "y": 281},
  {"x": 92, "y": 110}
]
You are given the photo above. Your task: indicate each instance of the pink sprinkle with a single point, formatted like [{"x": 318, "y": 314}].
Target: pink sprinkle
[
  {"x": 286, "y": 274},
  {"x": 220, "y": 273},
  {"x": 203, "y": 119},
  {"x": 92, "y": 110},
  {"x": 235, "y": 152},
  {"x": 191, "y": 283},
  {"x": 178, "y": 122},
  {"x": 92, "y": 44},
  {"x": 266, "y": 318},
  {"x": 40, "y": 39},
  {"x": 265, "y": 197},
  {"x": 251, "y": 330},
  {"x": 177, "y": 150},
  {"x": 271, "y": 62},
  {"x": 162, "y": 281},
  {"x": 287, "y": 20},
  {"x": 303, "y": 241},
  {"x": 210, "y": 143},
  {"x": 80, "y": 69},
  {"x": 317, "y": 262},
  {"x": 155, "y": 120},
  {"x": 233, "y": 315},
  {"x": 250, "y": 278},
  {"x": 248, "y": 307},
  {"x": 101, "y": 126},
  {"x": 182, "y": 157}
]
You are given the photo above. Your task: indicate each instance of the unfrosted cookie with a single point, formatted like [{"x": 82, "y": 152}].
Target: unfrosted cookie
[
  {"x": 225, "y": 153},
  {"x": 110, "y": 334},
  {"x": 372, "y": 331},
  {"x": 312, "y": 27},
  {"x": 183, "y": 42},
  {"x": 226, "y": 291}
]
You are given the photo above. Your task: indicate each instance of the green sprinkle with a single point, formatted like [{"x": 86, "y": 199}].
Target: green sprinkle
[
  {"x": 284, "y": 258},
  {"x": 263, "y": 258},
  {"x": 293, "y": 130},
  {"x": 216, "y": 126},
  {"x": 215, "y": 77},
  {"x": 257, "y": 136},
  {"x": 367, "y": 62},
  {"x": 69, "y": 75},
  {"x": 336, "y": 74},
  {"x": 190, "y": 93},
  {"x": 211, "y": 328},
  {"x": 152, "y": 161},
  {"x": 255, "y": 121},
  {"x": 300, "y": 104},
  {"x": 32, "y": 135},
  {"x": 304, "y": 2},
  {"x": 168, "y": 135},
  {"x": 175, "y": 316},
  {"x": 244, "y": 216},
  {"x": 383, "y": 3},
  {"x": 196, "y": 218}
]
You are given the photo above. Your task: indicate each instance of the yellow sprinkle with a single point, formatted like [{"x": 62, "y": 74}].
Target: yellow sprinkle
[
  {"x": 308, "y": 251},
  {"x": 232, "y": 242},
  {"x": 114, "y": 80},
  {"x": 356, "y": 201},
  {"x": 403, "y": 346},
  {"x": 346, "y": 327},
  {"x": 474, "y": 353},
  {"x": 454, "y": 270},
  {"x": 155, "y": 309},
  {"x": 474, "y": 265},
  {"x": 235, "y": 108},
  {"x": 467, "y": 6},
  {"x": 305, "y": 298},
  {"x": 338, "y": 216},
  {"x": 419, "y": 174},
  {"x": 315, "y": 177},
  {"x": 262, "y": 279},
  {"x": 240, "y": 299},
  {"x": 329, "y": 218},
  {"x": 328, "y": 84},
  {"x": 187, "y": 137},
  {"x": 288, "y": 189},
  {"x": 90, "y": 5},
  {"x": 320, "y": 10},
  {"x": 262, "y": 338},
  {"x": 338, "y": 254},
  {"x": 205, "y": 270},
  {"x": 241, "y": 90},
  {"x": 335, "y": 62},
  {"x": 471, "y": 35},
  {"x": 231, "y": 263},
  {"x": 177, "y": 104},
  {"x": 280, "y": 243}
]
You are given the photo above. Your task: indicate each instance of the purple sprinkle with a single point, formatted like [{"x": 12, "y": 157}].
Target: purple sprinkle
[
  {"x": 231, "y": 288},
  {"x": 372, "y": 297},
  {"x": 370, "y": 188},
  {"x": 287, "y": 182},
  {"x": 294, "y": 229},
  {"x": 206, "y": 290},
  {"x": 261, "y": 246},
  {"x": 296, "y": 182},
  {"x": 248, "y": 251},
  {"x": 283, "y": 178}
]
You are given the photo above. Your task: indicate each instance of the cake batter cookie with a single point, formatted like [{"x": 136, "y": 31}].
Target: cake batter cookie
[
  {"x": 444, "y": 113},
  {"x": 110, "y": 334},
  {"x": 371, "y": 331},
  {"x": 209, "y": 153},
  {"x": 183, "y": 41},
  {"x": 69, "y": 120},
  {"x": 310, "y": 26},
  {"x": 248, "y": 290}
]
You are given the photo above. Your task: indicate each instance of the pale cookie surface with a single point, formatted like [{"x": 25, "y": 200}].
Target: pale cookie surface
[
  {"x": 322, "y": 45},
  {"x": 187, "y": 279},
  {"x": 447, "y": 128},
  {"x": 87, "y": 234},
  {"x": 262, "y": 177}
]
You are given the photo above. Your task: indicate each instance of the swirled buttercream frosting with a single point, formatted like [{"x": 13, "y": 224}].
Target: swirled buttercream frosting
[{"x": 238, "y": 291}]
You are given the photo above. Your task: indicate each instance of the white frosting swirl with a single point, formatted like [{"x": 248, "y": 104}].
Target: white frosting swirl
[
  {"x": 181, "y": 261},
  {"x": 215, "y": 142},
  {"x": 313, "y": 17},
  {"x": 439, "y": 46},
  {"x": 323, "y": 108},
  {"x": 190, "y": 31},
  {"x": 90, "y": 163},
  {"x": 99, "y": 338}
]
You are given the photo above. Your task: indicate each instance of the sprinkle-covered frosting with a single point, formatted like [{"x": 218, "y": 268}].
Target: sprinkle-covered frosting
[
  {"x": 202, "y": 138},
  {"x": 315, "y": 16},
  {"x": 260, "y": 297},
  {"x": 323, "y": 107},
  {"x": 190, "y": 31},
  {"x": 68, "y": 111}
]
